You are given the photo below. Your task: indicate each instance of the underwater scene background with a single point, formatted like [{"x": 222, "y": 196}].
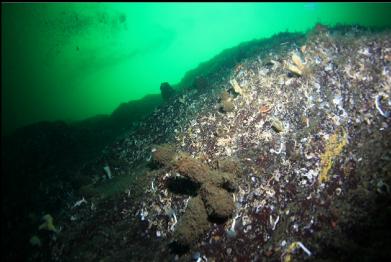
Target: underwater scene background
[
  {"x": 70, "y": 61},
  {"x": 196, "y": 131}
]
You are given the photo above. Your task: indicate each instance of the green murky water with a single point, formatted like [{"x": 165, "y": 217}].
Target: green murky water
[{"x": 67, "y": 61}]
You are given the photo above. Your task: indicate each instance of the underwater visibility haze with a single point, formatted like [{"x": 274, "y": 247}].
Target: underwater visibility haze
[
  {"x": 196, "y": 131},
  {"x": 70, "y": 61}
]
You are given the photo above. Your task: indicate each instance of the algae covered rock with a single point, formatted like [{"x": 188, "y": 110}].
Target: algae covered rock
[
  {"x": 218, "y": 202},
  {"x": 212, "y": 200},
  {"x": 229, "y": 165},
  {"x": 200, "y": 173},
  {"x": 163, "y": 154},
  {"x": 222, "y": 179},
  {"x": 167, "y": 91},
  {"x": 200, "y": 83},
  {"x": 193, "y": 224},
  {"x": 193, "y": 169}
]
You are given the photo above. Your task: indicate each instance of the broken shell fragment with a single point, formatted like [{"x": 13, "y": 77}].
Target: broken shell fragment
[
  {"x": 277, "y": 125},
  {"x": 236, "y": 86},
  {"x": 298, "y": 66},
  {"x": 265, "y": 109},
  {"x": 295, "y": 70},
  {"x": 297, "y": 61}
]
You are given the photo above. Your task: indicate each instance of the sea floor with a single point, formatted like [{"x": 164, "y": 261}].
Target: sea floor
[{"x": 302, "y": 123}]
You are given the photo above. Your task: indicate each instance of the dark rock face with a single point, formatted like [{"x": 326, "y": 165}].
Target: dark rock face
[
  {"x": 200, "y": 83},
  {"x": 167, "y": 91},
  {"x": 128, "y": 114},
  {"x": 42, "y": 166}
]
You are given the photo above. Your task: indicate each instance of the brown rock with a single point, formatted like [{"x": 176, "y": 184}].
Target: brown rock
[
  {"x": 229, "y": 165},
  {"x": 218, "y": 202},
  {"x": 164, "y": 154},
  {"x": 193, "y": 224},
  {"x": 193, "y": 169},
  {"x": 222, "y": 179}
]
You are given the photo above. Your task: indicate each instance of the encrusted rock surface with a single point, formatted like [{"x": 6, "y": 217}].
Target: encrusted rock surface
[{"x": 313, "y": 151}]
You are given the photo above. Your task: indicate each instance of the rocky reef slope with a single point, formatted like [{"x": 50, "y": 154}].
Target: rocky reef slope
[{"x": 299, "y": 126}]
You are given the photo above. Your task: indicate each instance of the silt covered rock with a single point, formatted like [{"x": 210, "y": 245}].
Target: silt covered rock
[
  {"x": 218, "y": 202},
  {"x": 193, "y": 224}
]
